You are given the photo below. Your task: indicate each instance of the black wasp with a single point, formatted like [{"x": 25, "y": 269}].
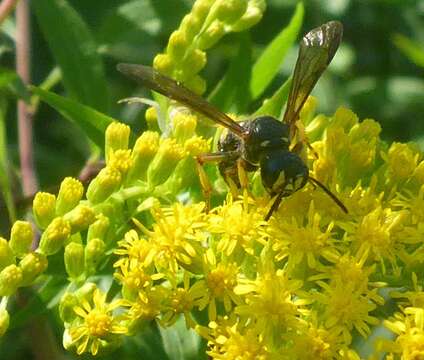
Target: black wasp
[{"x": 264, "y": 142}]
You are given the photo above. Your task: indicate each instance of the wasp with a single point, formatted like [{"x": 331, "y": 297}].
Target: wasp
[{"x": 263, "y": 143}]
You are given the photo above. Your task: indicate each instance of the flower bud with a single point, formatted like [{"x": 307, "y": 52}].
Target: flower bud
[
  {"x": 163, "y": 64},
  {"x": 183, "y": 126},
  {"x": 252, "y": 16},
  {"x": 54, "y": 236},
  {"x": 21, "y": 237},
  {"x": 66, "y": 307},
  {"x": 402, "y": 160},
  {"x": 177, "y": 45},
  {"x": 201, "y": 9},
  {"x": 344, "y": 118},
  {"x": 144, "y": 151},
  {"x": 10, "y": 280},
  {"x": 70, "y": 193},
  {"x": 151, "y": 117},
  {"x": 212, "y": 35},
  {"x": 6, "y": 254},
  {"x": 99, "y": 228},
  {"x": 80, "y": 218},
  {"x": 229, "y": 11},
  {"x": 104, "y": 184},
  {"x": 191, "y": 26},
  {"x": 94, "y": 253},
  {"x": 44, "y": 208},
  {"x": 121, "y": 160},
  {"x": 116, "y": 138},
  {"x": 163, "y": 164},
  {"x": 4, "y": 321},
  {"x": 74, "y": 260},
  {"x": 194, "y": 62},
  {"x": 196, "y": 84},
  {"x": 32, "y": 265}
]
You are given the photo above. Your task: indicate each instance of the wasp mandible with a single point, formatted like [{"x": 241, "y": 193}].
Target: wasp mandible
[{"x": 263, "y": 143}]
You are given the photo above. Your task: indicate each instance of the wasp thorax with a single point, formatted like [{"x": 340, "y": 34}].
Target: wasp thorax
[
  {"x": 283, "y": 172},
  {"x": 265, "y": 134}
]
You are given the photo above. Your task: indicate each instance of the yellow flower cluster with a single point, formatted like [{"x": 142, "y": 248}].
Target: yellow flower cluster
[{"x": 306, "y": 283}]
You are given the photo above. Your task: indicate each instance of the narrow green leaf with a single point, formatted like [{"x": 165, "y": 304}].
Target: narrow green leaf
[
  {"x": 266, "y": 67},
  {"x": 5, "y": 183},
  {"x": 11, "y": 81},
  {"x": 75, "y": 51},
  {"x": 414, "y": 51},
  {"x": 91, "y": 121},
  {"x": 230, "y": 93},
  {"x": 274, "y": 105}
]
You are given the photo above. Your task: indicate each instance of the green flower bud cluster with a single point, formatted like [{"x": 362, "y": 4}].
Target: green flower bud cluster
[{"x": 201, "y": 29}]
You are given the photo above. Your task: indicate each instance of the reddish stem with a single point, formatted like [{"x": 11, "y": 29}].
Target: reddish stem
[
  {"x": 23, "y": 60},
  {"x": 6, "y": 6}
]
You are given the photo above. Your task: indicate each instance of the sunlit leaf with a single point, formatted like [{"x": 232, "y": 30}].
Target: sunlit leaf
[
  {"x": 91, "y": 121},
  {"x": 75, "y": 51},
  {"x": 268, "y": 64}
]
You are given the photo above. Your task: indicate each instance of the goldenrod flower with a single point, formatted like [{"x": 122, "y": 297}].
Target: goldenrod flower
[
  {"x": 299, "y": 240},
  {"x": 134, "y": 250},
  {"x": 229, "y": 339},
  {"x": 409, "y": 328},
  {"x": 272, "y": 305},
  {"x": 96, "y": 326},
  {"x": 182, "y": 300},
  {"x": 146, "y": 307},
  {"x": 177, "y": 234},
  {"x": 346, "y": 308},
  {"x": 135, "y": 277},
  {"x": 218, "y": 285},
  {"x": 237, "y": 224}
]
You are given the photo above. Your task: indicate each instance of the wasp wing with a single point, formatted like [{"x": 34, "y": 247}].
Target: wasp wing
[
  {"x": 178, "y": 92},
  {"x": 316, "y": 51}
]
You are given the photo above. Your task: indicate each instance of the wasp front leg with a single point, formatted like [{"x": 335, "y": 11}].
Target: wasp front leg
[{"x": 218, "y": 157}]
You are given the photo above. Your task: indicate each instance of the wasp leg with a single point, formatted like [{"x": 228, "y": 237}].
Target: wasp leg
[
  {"x": 242, "y": 175},
  {"x": 204, "y": 181},
  {"x": 303, "y": 139}
]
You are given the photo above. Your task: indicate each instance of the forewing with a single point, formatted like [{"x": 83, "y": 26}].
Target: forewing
[
  {"x": 316, "y": 51},
  {"x": 178, "y": 92}
]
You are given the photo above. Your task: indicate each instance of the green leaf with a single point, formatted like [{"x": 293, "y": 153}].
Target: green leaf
[
  {"x": 91, "y": 121},
  {"x": 266, "y": 67},
  {"x": 412, "y": 50},
  {"x": 12, "y": 82},
  {"x": 230, "y": 93},
  {"x": 75, "y": 51},
  {"x": 181, "y": 343},
  {"x": 273, "y": 105},
  {"x": 5, "y": 184}
]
